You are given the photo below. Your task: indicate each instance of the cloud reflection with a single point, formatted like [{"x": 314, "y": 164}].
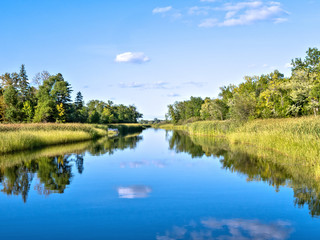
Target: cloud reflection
[
  {"x": 139, "y": 164},
  {"x": 229, "y": 229},
  {"x": 137, "y": 191}
]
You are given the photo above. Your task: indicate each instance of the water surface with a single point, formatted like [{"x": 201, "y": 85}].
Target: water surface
[{"x": 157, "y": 185}]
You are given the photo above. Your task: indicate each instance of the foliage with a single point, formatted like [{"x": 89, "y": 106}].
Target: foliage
[
  {"x": 266, "y": 96},
  {"x": 51, "y": 101},
  {"x": 182, "y": 111}
]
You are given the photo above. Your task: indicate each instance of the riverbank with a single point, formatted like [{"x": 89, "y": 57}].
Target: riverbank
[
  {"x": 17, "y": 137},
  {"x": 297, "y": 138}
]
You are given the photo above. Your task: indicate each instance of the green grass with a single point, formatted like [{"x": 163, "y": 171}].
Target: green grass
[
  {"x": 298, "y": 138},
  {"x": 17, "y": 137}
]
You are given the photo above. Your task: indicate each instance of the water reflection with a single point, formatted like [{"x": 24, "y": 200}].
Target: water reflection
[
  {"x": 134, "y": 192},
  {"x": 257, "y": 165},
  {"x": 50, "y": 171},
  {"x": 226, "y": 229},
  {"x": 139, "y": 164}
]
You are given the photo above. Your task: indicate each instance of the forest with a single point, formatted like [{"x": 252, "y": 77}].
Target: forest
[
  {"x": 259, "y": 97},
  {"x": 48, "y": 99}
]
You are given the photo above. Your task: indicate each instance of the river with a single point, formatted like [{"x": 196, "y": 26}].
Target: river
[{"x": 157, "y": 184}]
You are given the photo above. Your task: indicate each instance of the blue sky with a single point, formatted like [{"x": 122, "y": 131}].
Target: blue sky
[{"x": 152, "y": 53}]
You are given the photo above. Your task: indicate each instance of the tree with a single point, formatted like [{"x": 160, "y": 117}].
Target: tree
[
  {"x": 46, "y": 103},
  {"x": 54, "y": 91},
  {"x": 8, "y": 79},
  {"x": 214, "y": 109},
  {"x": 242, "y": 107},
  {"x": 273, "y": 100},
  {"x": 61, "y": 118},
  {"x": 40, "y": 77},
  {"x": 310, "y": 63},
  {"x": 107, "y": 116},
  {"x": 27, "y": 111},
  {"x": 79, "y": 110},
  {"x": 172, "y": 114},
  {"x": 314, "y": 98},
  {"x": 24, "y": 84},
  {"x": 94, "y": 117},
  {"x": 12, "y": 112},
  {"x": 2, "y": 108},
  {"x": 78, "y": 103}
]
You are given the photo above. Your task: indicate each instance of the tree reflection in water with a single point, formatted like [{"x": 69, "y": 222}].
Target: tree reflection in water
[
  {"x": 54, "y": 172},
  {"x": 257, "y": 165}
]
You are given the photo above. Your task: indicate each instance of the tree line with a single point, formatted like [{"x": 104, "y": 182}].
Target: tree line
[
  {"x": 49, "y": 100},
  {"x": 267, "y": 96}
]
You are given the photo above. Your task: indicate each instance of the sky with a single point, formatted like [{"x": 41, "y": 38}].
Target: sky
[{"x": 151, "y": 53}]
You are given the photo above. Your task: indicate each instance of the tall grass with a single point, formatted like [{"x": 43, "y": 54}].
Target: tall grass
[
  {"x": 298, "y": 138},
  {"x": 16, "y": 137}
]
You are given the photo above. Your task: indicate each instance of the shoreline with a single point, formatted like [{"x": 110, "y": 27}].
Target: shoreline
[
  {"x": 297, "y": 138},
  {"x": 20, "y": 137}
]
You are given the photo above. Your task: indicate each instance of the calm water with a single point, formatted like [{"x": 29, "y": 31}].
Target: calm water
[{"x": 157, "y": 185}]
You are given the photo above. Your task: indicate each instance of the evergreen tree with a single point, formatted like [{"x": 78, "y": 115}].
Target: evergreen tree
[
  {"x": 23, "y": 84},
  {"x": 78, "y": 103}
]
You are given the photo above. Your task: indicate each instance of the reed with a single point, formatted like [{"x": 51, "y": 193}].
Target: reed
[
  {"x": 298, "y": 138},
  {"x": 16, "y": 137}
]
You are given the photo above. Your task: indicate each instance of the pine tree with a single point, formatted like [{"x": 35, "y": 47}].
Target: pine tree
[
  {"x": 23, "y": 84},
  {"x": 78, "y": 103}
]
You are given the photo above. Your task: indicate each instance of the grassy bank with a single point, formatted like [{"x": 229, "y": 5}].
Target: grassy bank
[
  {"x": 16, "y": 137},
  {"x": 297, "y": 138}
]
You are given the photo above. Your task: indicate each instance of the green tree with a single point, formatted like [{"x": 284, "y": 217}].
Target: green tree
[
  {"x": 215, "y": 109},
  {"x": 94, "y": 117},
  {"x": 54, "y": 91},
  {"x": 78, "y": 103},
  {"x": 311, "y": 62},
  {"x": 12, "y": 112},
  {"x": 27, "y": 111},
  {"x": 24, "y": 86},
  {"x": 46, "y": 103},
  {"x": 242, "y": 107}
]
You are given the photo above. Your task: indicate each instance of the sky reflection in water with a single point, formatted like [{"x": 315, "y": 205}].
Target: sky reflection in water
[
  {"x": 158, "y": 185},
  {"x": 240, "y": 229}
]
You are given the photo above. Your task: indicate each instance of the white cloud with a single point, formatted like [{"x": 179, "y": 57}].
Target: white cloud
[
  {"x": 161, "y": 9},
  {"x": 231, "y": 14},
  {"x": 209, "y": 22},
  {"x": 196, "y": 10},
  {"x": 242, "y": 5},
  {"x": 230, "y": 229},
  {"x": 132, "y": 57},
  {"x": 131, "y": 85},
  {"x": 280, "y": 20},
  {"x": 244, "y": 13},
  {"x": 254, "y": 12},
  {"x": 134, "y": 192}
]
